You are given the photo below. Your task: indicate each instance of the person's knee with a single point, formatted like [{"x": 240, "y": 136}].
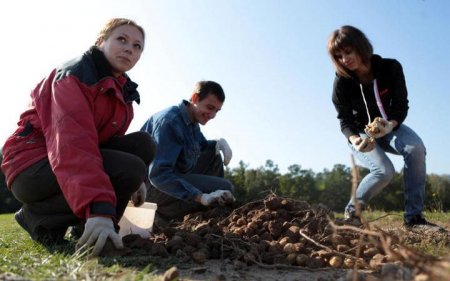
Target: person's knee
[
  {"x": 224, "y": 184},
  {"x": 385, "y": 173},
  {"x": 417, "y": 151},
  {"x": 135, "y": 173},
  {"x": 227, "y": 185},
  {"x": 389, "y": 173},
  {"x": 148, "y": 146}
]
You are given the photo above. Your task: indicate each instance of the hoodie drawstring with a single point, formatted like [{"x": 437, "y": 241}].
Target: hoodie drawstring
[
  {"x": 377, "y": 98},
  {"x": 365, "y": 103}
]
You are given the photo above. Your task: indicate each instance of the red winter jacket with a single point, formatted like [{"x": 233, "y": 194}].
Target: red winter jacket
[{"x": 72, "y": 111}]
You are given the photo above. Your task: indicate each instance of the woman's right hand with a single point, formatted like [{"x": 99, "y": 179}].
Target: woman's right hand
[
  {"x": 362, "y": 144},
  {"x": 96, "y": 232}
]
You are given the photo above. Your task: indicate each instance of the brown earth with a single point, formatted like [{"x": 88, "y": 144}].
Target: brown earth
[{"x": 283, "y": 239}]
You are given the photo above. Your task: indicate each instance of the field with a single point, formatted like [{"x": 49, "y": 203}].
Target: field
[{"x": 200, "y": 251}]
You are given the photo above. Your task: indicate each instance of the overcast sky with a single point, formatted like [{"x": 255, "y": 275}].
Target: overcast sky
[{"x": 269, "y": 56}]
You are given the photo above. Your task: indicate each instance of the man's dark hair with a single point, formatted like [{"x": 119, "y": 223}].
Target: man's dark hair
[{"x": 204, "y": 88}]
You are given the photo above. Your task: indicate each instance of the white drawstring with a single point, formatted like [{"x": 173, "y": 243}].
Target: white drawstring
[
  {"x": 377, "y": 98},
  {"x": 365, "y": 102}
]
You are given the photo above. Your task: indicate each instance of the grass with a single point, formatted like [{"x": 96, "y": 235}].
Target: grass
[
  {"x": 437, "y": 245},
  {"x": 23, "y": 259}
]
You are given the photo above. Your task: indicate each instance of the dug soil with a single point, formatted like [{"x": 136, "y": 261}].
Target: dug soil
[{"x": 283, "y": 239}]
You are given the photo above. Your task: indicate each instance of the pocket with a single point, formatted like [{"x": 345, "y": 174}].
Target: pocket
[
  {"x": 26, "y": 130},
  {"x": 24, "y": 138}
]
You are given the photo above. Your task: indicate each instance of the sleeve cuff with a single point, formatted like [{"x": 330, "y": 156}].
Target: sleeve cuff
[{"x": 102, "y": 209}]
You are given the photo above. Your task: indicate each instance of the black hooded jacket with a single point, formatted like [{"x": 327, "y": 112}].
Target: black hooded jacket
[{"x": 349, "y": 103}]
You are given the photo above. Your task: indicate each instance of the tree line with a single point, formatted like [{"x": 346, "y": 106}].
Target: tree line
[{"x": 329, "y": 187}]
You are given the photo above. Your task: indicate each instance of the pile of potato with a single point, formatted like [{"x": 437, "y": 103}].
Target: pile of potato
[{"x": 272, "y": 231}]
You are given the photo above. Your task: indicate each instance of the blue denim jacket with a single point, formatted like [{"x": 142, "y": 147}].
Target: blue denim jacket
[{"x": 179, "y": 143}]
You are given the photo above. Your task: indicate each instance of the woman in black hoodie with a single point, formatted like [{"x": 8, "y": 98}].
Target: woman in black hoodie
[{"x": 370, "y": 91}]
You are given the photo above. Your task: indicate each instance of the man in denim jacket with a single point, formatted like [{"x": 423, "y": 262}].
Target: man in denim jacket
[{"x": 187, "y": 172}]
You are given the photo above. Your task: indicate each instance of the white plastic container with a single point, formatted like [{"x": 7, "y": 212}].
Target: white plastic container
[{"x": 138, "y": 220}]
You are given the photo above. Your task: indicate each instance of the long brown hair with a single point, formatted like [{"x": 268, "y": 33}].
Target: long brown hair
[{"x": 349, "y": 37}]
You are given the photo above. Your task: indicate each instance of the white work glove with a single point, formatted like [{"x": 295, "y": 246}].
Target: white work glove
[
  {"x": 96, "y": 231},
  {"x": 138, "y": 197},
  {"x": 385, "y": 128},
  {"x": 382, "y": 128},
  {"x": 362, "y": 144},
  {"x": 222, "y": 197},
  {"x": 222, "y": 145}
]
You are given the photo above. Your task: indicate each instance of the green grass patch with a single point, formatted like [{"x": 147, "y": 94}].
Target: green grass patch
[
  {"x": 437, "y": 244},
  {"x": 22, "y": 258}
]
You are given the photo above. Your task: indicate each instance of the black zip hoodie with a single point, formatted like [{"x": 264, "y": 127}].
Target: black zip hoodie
[{"x": 349, "y": 103}]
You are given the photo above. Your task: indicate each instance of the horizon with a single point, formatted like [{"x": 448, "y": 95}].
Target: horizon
[{"x": 269, "y": 57}]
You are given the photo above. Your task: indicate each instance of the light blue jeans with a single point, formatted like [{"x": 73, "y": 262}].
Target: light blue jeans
[{"x": 403, "y": 141}]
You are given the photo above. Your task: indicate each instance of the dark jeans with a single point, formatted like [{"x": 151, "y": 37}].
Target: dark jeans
[
  {"x": 125, "y": 159},
  {"x": 207, "y": 176}
]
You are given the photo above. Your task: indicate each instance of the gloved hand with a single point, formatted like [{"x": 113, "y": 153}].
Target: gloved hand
[
  {"x": 220, "y": 196},
  {"x": 96, "y": 231},
  {"x": 225, "y": 197},
  {"x": 379, "y": 127},
  {"x": 138, "y": 197},
  {"x": 386, "y": 127},
  {"x": 363, "y": 144},
  {"x": 222, "y": 145}
]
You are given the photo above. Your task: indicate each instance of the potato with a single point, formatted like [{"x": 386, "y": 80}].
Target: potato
[
  {"x": 336, "y": 261},
  {"x": 302, "y": 259}
]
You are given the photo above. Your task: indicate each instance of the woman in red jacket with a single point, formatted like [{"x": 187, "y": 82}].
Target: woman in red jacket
[{"x": 70, "y": 162}]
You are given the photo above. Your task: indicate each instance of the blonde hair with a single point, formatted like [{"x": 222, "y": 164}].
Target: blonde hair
[{"x": 112, "y": 24}]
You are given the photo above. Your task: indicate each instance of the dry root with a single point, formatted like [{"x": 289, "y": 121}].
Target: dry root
[{"x": 277, "y": 233}]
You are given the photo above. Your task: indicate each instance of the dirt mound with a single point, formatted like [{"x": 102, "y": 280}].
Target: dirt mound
[
  {"x": 273, "y": 232},
  {"x": 283, "y": 233}
]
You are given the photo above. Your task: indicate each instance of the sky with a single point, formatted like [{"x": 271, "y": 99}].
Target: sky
[{"x": 269, "y": 56}]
